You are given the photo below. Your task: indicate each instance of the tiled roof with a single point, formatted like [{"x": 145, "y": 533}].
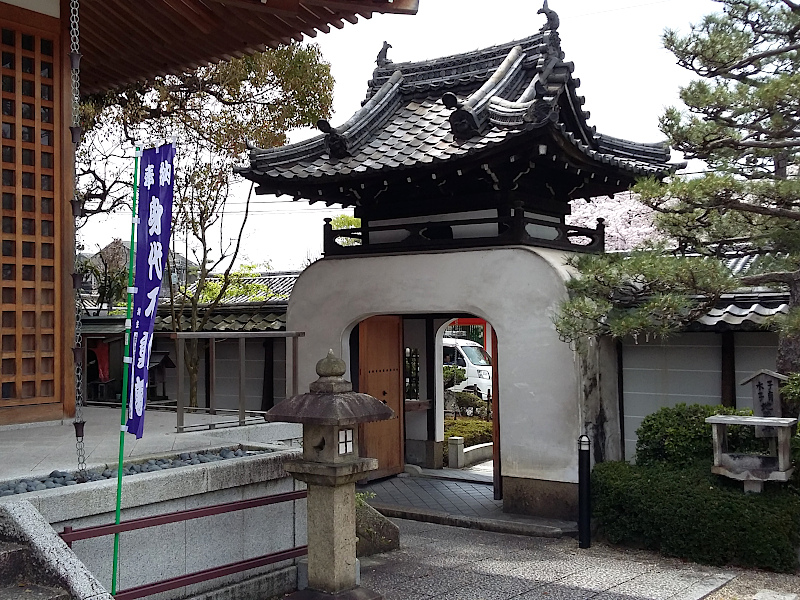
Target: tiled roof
[
  {"x": 733, "y": 315},
  {"x": 279, "y": 283},
  {"x": 239, "y": 320},
  {"x": 422, "y": 114},
  {"x": 245, "y": 313}
]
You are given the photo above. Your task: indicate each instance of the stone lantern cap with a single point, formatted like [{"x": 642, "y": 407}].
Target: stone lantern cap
[{"x": 331, "y": 400}]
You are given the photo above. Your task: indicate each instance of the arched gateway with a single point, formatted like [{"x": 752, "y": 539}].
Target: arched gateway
[{"x": 461, "y": 170}]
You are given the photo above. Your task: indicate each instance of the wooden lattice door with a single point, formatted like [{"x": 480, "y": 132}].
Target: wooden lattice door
[{"x": 31, "y": 339}]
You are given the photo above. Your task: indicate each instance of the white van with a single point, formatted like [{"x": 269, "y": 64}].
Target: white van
[{"x": 476, "y": 363}]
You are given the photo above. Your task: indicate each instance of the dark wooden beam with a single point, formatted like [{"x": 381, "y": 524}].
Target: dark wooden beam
[{"x": 728, "y": 369}]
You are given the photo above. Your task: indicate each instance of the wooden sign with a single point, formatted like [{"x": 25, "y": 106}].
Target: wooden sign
[{"x": 766, "y": 398}]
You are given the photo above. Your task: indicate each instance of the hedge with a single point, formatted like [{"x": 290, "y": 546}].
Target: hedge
[
  {"x": 689, "y": 513},
  {"x": 679, "y": 435}
]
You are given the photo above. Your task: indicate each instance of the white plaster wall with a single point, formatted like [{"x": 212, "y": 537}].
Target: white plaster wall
[
  {"x": 516, "y": 289},
  {"x": 47, "y": 7}
]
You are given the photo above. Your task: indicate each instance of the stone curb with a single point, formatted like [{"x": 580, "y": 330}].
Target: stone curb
[
  {"x": 97, "y": 497},
  {"x": 21, "y": 521},
  {"x": 443, "y": 518},
  {"x": 129, "y": 460},
  {"x": 705, "y": 587},
  {"x": 444, "y": 476}
]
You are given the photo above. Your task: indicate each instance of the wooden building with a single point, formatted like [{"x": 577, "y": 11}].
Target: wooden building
[
  {"x": 121, "y": 42},
  {"x": 461, "y": 169}
]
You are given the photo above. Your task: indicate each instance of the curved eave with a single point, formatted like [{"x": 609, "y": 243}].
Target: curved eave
[{"x": 575, "y": 155}]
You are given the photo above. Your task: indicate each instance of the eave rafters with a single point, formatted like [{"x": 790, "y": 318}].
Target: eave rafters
[
  {"x": 209, "y": 31},
  {"x": 539, "y": 168}
]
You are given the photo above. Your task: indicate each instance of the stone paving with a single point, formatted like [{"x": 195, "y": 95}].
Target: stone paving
[
  {"x": 459, "y": 497},
  {"x": 437, "y": 561}
]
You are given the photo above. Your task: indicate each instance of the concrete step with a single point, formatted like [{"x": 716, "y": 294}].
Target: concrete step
[{"x": 502, "y": 523}]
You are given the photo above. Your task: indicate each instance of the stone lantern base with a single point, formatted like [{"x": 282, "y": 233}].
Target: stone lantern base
[{"x": 358, "y": 593}]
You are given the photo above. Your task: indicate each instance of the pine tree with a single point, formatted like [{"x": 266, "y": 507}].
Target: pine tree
[{"x": 742, "y": 119}]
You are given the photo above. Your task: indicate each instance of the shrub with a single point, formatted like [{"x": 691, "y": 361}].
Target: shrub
[
  {"x": 679, "y": 435},
  {"x": 474, "y": 431},
  {"x": 465, "y": 400},
  {"x": 453, "y": 376},
  {"x": 790, "y": 395},
  {"x": 692, "y": 514}
]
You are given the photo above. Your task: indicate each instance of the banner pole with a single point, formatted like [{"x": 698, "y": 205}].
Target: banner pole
[{"x": 125, "y": 370}]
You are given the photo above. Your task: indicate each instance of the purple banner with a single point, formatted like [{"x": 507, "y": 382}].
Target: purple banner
[{"x": 156, "y": 172}]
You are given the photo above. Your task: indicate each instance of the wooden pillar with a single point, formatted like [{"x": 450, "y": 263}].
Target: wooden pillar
[
  {"x": 180, "y": 368},
  {"x": 498, "y": 474},
  {"x": 211, "y": 371},
  {"x": 242, "y": 358},
  {"x": 268, "y": 387},
  {"x": 728, "y": 370},
  {"x": 430, "y": 378}
]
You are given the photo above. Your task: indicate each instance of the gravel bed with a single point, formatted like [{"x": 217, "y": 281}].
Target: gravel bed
[{"x": 58, "y": 479}]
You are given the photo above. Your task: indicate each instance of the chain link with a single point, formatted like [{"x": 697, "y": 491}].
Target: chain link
[{"x": 75, "y": 47}]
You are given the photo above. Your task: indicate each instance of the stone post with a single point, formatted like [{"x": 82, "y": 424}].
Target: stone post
[
  {"x": 330, "y": 414},
  {"x": 455, "y": 452}
]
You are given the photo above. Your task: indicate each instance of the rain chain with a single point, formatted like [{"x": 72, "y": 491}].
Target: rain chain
[{"x": 75, "y": 130}]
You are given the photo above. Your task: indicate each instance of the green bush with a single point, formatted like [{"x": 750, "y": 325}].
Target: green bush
[
  {"x": 679, "y": 435},
  {"x": 474, "y": 431},
  {"x": 692, "y": 514},
  {"x": 465, "y": 400},
  {"x": 790, "y": 395},
  {"x": 453, "y": 376}
]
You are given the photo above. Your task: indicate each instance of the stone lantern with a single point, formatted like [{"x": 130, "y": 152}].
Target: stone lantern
[{"x": 330, "y": 414}]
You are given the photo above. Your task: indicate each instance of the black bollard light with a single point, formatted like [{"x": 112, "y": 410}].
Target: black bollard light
[{"x": 584, "y": 493}]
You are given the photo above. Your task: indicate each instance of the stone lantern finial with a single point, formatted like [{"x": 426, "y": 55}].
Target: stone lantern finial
[{"x": 331, "y": 370}]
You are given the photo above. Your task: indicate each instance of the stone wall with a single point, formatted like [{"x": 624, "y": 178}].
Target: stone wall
[{"x": 166, "y": 551}]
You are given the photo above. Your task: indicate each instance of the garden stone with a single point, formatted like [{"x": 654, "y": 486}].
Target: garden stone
[{"x": 375, "y": 533}]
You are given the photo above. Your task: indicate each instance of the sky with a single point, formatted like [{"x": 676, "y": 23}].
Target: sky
[{"x": 626, "y": 75}]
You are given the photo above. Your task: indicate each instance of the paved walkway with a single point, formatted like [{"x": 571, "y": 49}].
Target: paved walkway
[
  {"x": 39, "y": 449},
  {"x": 460, "y": 503},
  {"x": 436, "y": 561},
  {"x": 457, "y": 497}
]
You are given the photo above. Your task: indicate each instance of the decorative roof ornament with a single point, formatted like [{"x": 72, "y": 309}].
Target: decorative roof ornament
[
  {"x": 463, "y": 121},
  {"x": 551, "y": 29},
  {"x": 335, "y": 142},
  {"x": 552, "y": 18},
  {"x": 382, "y": 61}
]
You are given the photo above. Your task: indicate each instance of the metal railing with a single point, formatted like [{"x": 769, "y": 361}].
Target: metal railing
[
  {"x": 70, "y": 535},
  {"x": 515, "y": 229}
]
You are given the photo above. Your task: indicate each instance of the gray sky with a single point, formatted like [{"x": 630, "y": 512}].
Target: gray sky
[{"x": 626, "y": 76}]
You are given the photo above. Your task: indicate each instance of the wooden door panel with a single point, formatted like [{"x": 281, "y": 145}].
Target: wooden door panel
[{"x": 381, "y": 375}]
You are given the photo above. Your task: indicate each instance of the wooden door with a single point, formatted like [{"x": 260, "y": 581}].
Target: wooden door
[{"x": 380, "y": 374}]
